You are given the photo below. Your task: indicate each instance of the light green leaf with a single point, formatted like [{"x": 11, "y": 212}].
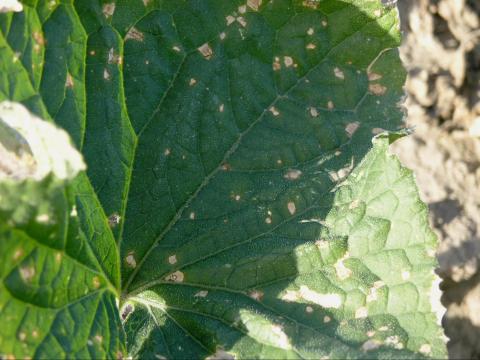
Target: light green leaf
[
  {"x": 226, "y": 141},
  {"x": 56, "y": 297}
]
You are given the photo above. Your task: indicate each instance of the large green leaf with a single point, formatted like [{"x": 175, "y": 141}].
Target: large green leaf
[{"x": 219, "y": 137}]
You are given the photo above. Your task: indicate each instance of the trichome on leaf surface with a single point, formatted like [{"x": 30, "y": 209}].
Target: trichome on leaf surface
[{"x": 238, "y": 200}]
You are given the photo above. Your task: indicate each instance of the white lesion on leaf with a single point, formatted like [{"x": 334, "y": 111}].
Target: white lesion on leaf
[
  {"x": 69, "y": 83},
  {"x": 134, "y": 34},
  {"x": 293, "y": 174},
  {"x": 377, "y": 89},
  {"x": 108, "y": 9},
  {"x": 130, "y": 260},
  {"x": 352, "y": 128},
  {"x": 27, "y": 273},
  {"x": 256, "y": 295},
  {"x": 288, "y": 61},
  {"x": 206, "y": 51},
  {"x": 274, "y": 111},
  {"x": 339, "y": 73},
  {"x": 201, "y": 293},
  {"x": 106, "y": 74},
  {"x": 254, "y": 4},
  {"x": 176, "y": 276},
  {"x": 291, "y": 207}
]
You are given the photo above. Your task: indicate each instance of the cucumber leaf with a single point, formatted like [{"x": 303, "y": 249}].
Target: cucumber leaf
[{"x": 229, "y": 144}]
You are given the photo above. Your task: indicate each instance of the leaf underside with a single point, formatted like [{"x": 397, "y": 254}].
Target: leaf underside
[{"x": 229, "y": 147}]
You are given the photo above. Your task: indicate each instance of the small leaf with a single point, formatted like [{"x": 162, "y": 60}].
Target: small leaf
[{"x": 56, "y": 298}]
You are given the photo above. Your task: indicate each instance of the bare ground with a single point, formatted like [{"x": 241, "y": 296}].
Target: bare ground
[{"x": 442, "y": 53}]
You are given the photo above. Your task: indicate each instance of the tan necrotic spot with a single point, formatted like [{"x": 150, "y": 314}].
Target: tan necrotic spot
[
  {"x": 114, "y": 220},
  {"x": 352, "y": 128},
  {"x": 206, "y": 51},
  {"x": 276, "y": 64},
  {"x": 254, "y": 4},
  {"x": 274, "y": 111},
  {"x": 374, "y": 76},
  {"x": 172, "y": 259},
  {"x": 377, "y": 89},
  {"x": 339, "y": 73},
  {"x": 230, "y": 19},
  {"x": 242, "y": 9},
  {"x": 192, "y": 82},
  {"x": 309, "y": 309},
  {"x": 313, "y": 112},
  {"x": 177, "y": 276},
  {"x": 241, "y": 21},
  {"x": 176, "y": 48},
  {"x": 96, "y": 282},
  {"x": 134, "y": 34},
  {"x": 310, "y": 31},
  {"x": 312, "y": 4},
  {"x": 327, "y": 319},
  {"x": 108, "y": 9},
  {"x": 27, "y": 273},
  {"x": 202, "y": 294},
  {"x": 106, "y": 74},
  {"x": 223, "y": 35},
  {"x": 69, "y": 81},
  {"x": 311, "y": 46},
  {"x": 256, "y": 295},
  {"x": 17, "y": 254},
  {"x": 130, "y": 260},
  {"x": 288, "y": 61},
  {"x": 291, "y": 207},
  {"x": 192, "y": 216},
  {"x": 221, "y": 108},
  {"x": 293, "y": 174},
  {"x": 330, "y": 105}
]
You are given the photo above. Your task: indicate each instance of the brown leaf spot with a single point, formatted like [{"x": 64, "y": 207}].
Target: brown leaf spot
[{"x": 377, "y": 89}]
